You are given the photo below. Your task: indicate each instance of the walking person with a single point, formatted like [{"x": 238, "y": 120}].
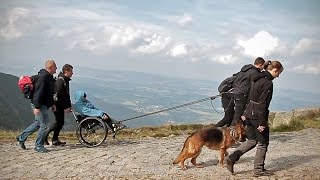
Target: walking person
[
  {"x": 235, "y": 102},
  {"x": 63, "y": 104},
  {"x": 256, "y": 116},
  {"x": 41, "y": 101}
]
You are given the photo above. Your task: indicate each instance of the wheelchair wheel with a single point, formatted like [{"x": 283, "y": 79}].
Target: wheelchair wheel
[{"x": 92, "y": 132}]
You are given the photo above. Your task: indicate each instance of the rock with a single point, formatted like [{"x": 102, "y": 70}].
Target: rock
[{"x": 278, "y": 118}]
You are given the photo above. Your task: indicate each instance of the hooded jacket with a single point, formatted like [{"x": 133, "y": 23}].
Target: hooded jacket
[
  {"x": 62, "y": 90},
  {"x": 43, "y": 90},
  {"x": 84, "y": 107},
  {"x": 242, "y": 81},
  {"x": 260, "y": 98}
]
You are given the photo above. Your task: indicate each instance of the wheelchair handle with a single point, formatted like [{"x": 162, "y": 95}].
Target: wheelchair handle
[{"x": 74, "y": 114}]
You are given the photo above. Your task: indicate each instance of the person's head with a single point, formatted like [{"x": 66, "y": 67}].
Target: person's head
[
  {"x": 275, "y": 68},
  {"x": 50, "y": 66},
  {"x": 80, "y": 96},
  {"x": 259, "y": 63},
  {"x": 67, "y": 70}
]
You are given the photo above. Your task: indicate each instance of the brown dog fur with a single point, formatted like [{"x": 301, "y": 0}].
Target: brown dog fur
[{"x": 215, "y": 138}]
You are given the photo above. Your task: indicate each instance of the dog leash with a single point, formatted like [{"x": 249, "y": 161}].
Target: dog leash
[{"x": 172, "y": 108}]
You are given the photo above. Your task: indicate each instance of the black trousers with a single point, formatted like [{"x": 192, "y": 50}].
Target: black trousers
[
  {"x": 234, "y": 106},
  {"x": 240, "y": 102},
  {"x": 56, "y": 126},
  {"x": 228, "y": 106}
]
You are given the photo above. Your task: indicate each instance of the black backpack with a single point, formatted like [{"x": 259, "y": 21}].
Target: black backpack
[{"x": 226, "y": 84}]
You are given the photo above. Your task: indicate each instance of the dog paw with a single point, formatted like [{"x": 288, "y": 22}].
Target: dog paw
[
  {"x": 199, "y": 165},
  {"x": 184, "y": 168}
]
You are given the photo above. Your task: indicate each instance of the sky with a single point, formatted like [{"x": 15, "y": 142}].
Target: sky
[{"x": 198, "y": 39}]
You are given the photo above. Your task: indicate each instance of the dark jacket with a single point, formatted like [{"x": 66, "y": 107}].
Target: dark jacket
[
  {"x": 43, "y": 89},
  {"x": 260, "y": 98},
  {"x": 243, "y": 82},
  {"x": 62, "y": 90}
]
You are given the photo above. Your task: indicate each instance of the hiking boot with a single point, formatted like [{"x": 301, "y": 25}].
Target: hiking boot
[
  {"x": 58, "y": 143},
  {"x": 263, "y": 172},
  {"x": 21, "y": 143},
  {"x": 41, "y": 150},
  {"x": 229, "y": 164}
]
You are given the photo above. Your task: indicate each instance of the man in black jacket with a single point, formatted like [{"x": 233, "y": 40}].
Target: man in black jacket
[
  {"x": 41, "y": 101},
  {"x": 63, "y": 104},
  {"x": 235, "y": 102}
]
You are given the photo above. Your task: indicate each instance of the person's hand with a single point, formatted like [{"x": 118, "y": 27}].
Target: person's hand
[
  {"x": 36, "y": 111},
  {"x": 243, "y": 118},
  {"x": 68, "y": 110},
  {"x": 53, "y": 108},
  {"x": 261, "y": 128}
]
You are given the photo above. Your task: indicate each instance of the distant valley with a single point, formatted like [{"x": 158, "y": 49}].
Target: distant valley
[{"x": 124, "y": 94}]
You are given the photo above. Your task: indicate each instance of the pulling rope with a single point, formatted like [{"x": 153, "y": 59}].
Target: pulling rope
[{"x": 175, "y": 107}]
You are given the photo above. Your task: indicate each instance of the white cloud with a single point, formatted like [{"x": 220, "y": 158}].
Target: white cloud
[
  {"x": 154, "y": 44},
  {"x": 261, "y": 44},
  {"x": 224, "y": 59},
  {"x": 179, "y": 50},
  {"x": 306, "y": 45},
  {"x": 185, "y": 20},
  {"x": 308, "y": 69},
  {"x": 16, "y": 24},
  {"x": 65, "y": 32},
  {"x": 132, "y": 39}
]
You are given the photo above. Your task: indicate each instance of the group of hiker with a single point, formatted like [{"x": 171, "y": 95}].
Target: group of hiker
[
  {"x": 246, "y": 101},
  {"x": 54, "y": 93}
]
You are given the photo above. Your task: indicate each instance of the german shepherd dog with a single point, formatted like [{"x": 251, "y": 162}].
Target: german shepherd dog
[{"x": 215, "y": 138}]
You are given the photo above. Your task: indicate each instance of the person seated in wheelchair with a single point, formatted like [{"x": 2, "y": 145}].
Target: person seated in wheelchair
[{"x": 85, "y": 107}]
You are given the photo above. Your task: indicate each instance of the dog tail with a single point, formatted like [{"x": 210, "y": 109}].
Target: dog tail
[{"x": 183, "y": 151}]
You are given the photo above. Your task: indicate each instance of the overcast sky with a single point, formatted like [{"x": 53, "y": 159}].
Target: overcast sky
[{"x": 203, "y": 39}]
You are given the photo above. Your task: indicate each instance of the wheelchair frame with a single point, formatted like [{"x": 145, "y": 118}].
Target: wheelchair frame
[{"x": 91, "y": 131}]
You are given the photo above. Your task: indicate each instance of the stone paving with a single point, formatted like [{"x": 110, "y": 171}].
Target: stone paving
[{"x": 293, "y": 155}]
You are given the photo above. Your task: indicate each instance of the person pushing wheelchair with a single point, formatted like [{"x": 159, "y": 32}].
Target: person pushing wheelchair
[{"x": 85, "y": 107}]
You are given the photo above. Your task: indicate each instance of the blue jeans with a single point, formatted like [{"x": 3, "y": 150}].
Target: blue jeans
[{"x": 40, "y": 122}]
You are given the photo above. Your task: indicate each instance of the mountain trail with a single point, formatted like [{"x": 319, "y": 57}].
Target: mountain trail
[{"x": 294, "y": 155}]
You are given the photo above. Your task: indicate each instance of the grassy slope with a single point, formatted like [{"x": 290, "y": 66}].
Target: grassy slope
[{"x": 167, "y": 131}]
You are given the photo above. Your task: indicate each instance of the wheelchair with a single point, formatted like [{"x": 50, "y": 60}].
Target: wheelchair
[{"x": 91, "y": 131}]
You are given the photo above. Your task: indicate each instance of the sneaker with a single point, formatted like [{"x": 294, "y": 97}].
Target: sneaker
[
  {"x": 58, "y": 143},
  {"x": 41, "y": 150},
  {"x": 229, "y": 164},
  {"x": 21, "y": 143}
]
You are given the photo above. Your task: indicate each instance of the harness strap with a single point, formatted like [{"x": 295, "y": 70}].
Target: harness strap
[{"x": 233, "y": 134}]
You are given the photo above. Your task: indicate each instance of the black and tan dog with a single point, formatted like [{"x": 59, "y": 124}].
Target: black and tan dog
[{"x": 215, "y": 138}]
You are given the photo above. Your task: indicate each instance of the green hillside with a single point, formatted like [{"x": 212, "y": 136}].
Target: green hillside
[{"x": 15, "y": 110}]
